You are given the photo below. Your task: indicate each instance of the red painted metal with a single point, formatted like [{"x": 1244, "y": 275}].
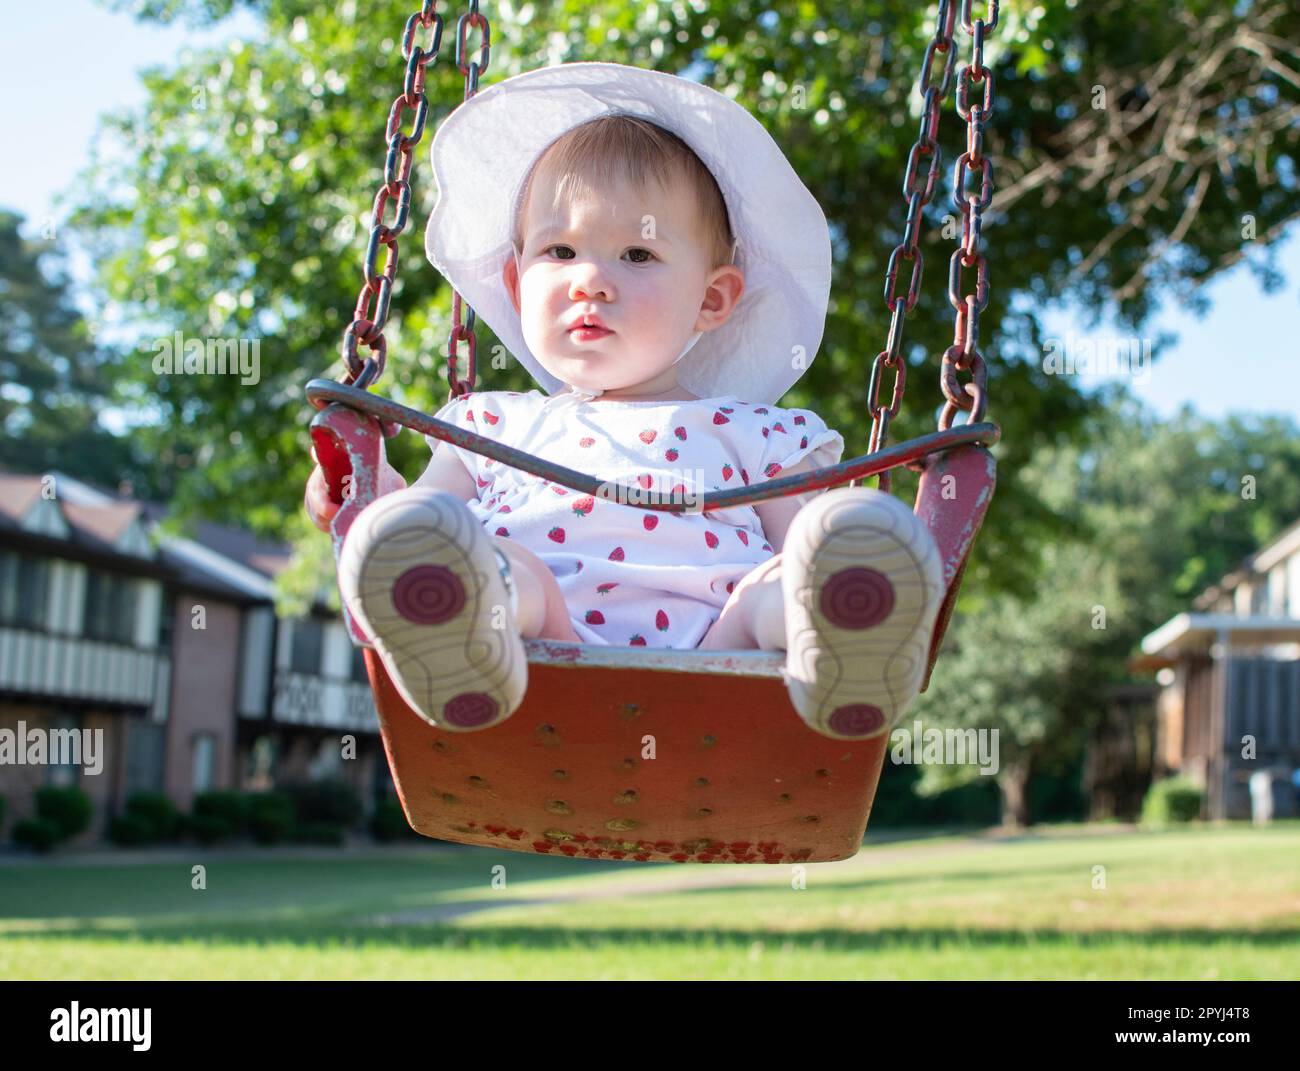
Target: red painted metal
[
  {"x": 326, "y": 392},
  {"x": 736, "y": 774},
  {"x": 954, "y": 493},
  {"x": 735, "y": 777},
  {"x": 349, "y": 448}
]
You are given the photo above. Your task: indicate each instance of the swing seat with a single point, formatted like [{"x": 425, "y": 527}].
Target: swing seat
[{"x": 652, "y": 755}]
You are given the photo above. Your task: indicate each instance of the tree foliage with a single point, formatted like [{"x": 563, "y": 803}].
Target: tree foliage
[
  {"x": 238, "y": 209},
  {"x": 1157, "y": 511},
  {"x": 54, "y": 379}
]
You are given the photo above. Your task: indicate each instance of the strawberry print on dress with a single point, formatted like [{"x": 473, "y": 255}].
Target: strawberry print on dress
[{"x": 630, "y": 576}]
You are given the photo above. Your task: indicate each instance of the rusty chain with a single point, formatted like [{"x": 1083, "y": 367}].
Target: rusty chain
[
  {"x": 367, "y": 325},
  {"x": 926, "y": 145},
  {"x": 964, "y": 355}
]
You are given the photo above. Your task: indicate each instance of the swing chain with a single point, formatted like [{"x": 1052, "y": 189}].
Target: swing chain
[
  {"x": 964, "y": 355},
  {"x": 367, "y": 325},
  {"x": 464, "y": 332},
  {"x": 909, "y": 249}
]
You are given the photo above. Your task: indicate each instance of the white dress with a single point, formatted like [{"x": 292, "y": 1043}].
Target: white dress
[{"x": 630, "y": 576}]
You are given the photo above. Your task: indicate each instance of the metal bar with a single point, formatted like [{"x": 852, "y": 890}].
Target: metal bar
[{"x": 322, "y": 392}]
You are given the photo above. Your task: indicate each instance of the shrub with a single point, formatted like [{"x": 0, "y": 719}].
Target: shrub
[
  {"x": 130, "y": 830},
  {"x": 333, "y": 801},
  {"x": 389, "y": 821},
  {"x": 230, "y": 807},
  {"x": 209, "y": 828},
  {"x": 319, "y": 833},
  {"x": 67, "y": 808},
  {"x": 270, "y": 816},
  {"x": 1175, "y": 799},
  {"x": 157, "y": 811},
  {"x": 2, "y": 812},
  {"x": 38, "y": 833}
]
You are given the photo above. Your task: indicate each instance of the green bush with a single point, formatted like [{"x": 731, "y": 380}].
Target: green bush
[
  {"x": 270, "y": 816},
  {"x": 68, "y": 808},
  {"x": 230, "y": 807},
  {"x": 899, "y": 805},
  {"x": 389, "y": 821},
  {"x": 333, "y": 801},
  {"x": 319, "y": 833},
  {"x": 157, "y": 811},
  {"x": 131, "y": 830},
  {"x": 209, "y": 828},
  {"x": 1175, "y": 799},
  {"x": 39, "y": 833}
]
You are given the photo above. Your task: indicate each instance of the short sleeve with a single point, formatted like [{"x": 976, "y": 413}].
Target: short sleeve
[
  {"x": 789, "y": 436},
  {"x": 463, "y": 413}
]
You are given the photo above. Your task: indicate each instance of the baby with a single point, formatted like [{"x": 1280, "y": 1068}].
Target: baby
[{"x": 621, "y": 257}]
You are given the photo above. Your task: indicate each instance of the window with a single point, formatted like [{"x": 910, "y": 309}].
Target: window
[
  {"x": 145, "y": 743},
  {"x": 110, "y": 607},
  {"x": 63, "y": 774},
  {"x": 24, "y": 582},
  {"x": 167, "y": 622},
  {"x": 259, "y": 764},
  {"x": 307, "y": 635},
  {"x": 1259, "y": 598},
  {"x": 359, "y": 666},
  {"x": 205, "y": 761}
]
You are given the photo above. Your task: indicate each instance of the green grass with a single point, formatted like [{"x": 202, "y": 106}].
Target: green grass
[{"x": 1197, "y": 903}]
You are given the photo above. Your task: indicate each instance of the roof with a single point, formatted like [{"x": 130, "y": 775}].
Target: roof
[
  {"x": 1286, "y": 542},
  {"x": 1194, "y": 633},
  {"x": 222, "y": 559}
]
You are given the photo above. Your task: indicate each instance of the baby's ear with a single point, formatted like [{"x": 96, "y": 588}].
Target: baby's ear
[{"x": 510, "y": 276}]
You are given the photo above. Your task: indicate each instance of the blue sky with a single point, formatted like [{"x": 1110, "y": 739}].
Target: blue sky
[{"x": 1242, "y": 357}]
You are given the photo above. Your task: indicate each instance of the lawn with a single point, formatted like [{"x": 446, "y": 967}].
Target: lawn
[{"x": 1192, "y": 903}]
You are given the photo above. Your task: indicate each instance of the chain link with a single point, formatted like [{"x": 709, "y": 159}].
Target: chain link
[
  {"x": 464, "y": 332},
  {"x": 367, "y": 325},
  {"x": 964, "y": 354},
  {"x": 370, "y": 315}
]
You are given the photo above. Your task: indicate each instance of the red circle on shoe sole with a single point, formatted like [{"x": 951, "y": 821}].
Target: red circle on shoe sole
[
  {"x": 857, "y": 598},
  {"x": 470, "y": 709},
  {"x": 428, "y": 594},
  {"x": 856, "y": 719}
]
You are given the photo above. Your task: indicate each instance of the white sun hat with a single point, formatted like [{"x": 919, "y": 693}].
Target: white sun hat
[{"x": 484, "y": 150}]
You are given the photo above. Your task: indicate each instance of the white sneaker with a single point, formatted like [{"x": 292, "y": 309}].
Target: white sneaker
[
  {"x": 434, "y": 594},
  {"x": 862, "y": 584}
]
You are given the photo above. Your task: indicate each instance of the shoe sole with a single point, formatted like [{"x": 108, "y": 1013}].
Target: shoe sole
[
  {"x": 422, "y": 578},
  {"x": 862, "y": 584}
]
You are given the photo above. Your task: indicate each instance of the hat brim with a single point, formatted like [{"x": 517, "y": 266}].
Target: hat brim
[{"x": 483, "y": 151}]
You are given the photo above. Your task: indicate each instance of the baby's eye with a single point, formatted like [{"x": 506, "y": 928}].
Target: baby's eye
[
  {"x": 648, "y": 255},
  {"x": 569, "y": 248}
]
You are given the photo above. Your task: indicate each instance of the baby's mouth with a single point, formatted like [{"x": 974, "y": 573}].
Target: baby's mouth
[{"x": 585, "y": 333}]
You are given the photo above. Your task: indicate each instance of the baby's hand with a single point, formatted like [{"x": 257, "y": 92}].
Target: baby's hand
[{"x": 321, "y": 508}]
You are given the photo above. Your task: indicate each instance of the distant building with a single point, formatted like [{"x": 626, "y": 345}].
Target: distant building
[
  {"x": 1230, "y": 672},
  {"x": 172, "y": 649}
]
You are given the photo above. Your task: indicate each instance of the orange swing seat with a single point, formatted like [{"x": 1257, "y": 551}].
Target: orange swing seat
[
  {"x": 647, "y": 754},
  {"x": 644, "y": 754}
]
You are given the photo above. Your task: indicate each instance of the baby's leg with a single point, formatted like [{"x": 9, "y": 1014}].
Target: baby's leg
[
  {"x": 754, "y": 616},
  {"x": 542, "y": 611}
]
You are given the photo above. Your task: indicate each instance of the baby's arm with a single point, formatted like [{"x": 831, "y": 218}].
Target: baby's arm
[
  {"x": 447, "y": 472},
  {"x": 777, "y": 514}
]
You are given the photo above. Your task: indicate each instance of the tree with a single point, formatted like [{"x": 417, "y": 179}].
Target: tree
[
  {"x": 248, "y": 170},
  {"x": 1157, "y": 511},
  {"x": 54, "y": 381}
]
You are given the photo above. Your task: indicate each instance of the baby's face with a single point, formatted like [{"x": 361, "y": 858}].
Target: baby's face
[{"x": 629, "y": 258}]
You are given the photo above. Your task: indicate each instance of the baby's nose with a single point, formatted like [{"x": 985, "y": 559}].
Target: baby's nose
[{"x": 589, "y": 282}]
